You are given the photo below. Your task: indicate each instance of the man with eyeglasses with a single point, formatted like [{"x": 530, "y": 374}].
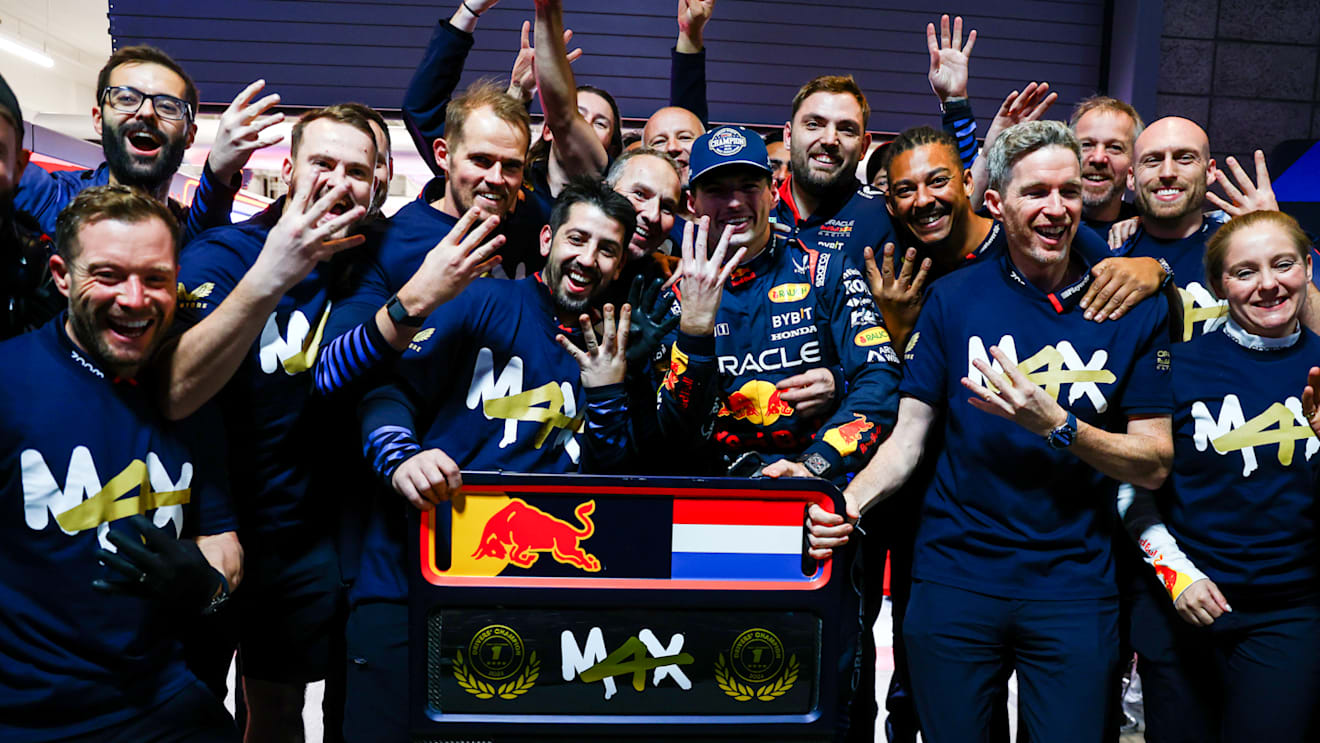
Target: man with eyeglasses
[{"x": 146, "y": 118}]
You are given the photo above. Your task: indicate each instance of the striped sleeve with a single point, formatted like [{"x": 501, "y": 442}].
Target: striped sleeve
[{"x": 959, "y": 121}]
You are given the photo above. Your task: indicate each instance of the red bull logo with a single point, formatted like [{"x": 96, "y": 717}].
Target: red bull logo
[
  {"x": 519, "y": 532},
  {"x": 678, "y": 363},
  {"x": 757, "y": 402},
  {"x": 847, "y": 438}
]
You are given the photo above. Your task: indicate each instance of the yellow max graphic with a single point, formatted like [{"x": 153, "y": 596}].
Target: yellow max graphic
[
  {"x": 525, "y": 407},
  {"x": 789, "y": 292}
]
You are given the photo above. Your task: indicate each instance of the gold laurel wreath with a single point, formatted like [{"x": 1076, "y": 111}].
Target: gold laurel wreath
[
  {"x": 743, "y": 692},
  {"x": 484, "y": 690}
]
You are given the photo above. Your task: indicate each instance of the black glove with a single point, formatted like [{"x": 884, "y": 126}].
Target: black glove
[
  {"x": 651, "y": 320},
  {"x": 155, "y": 565}
]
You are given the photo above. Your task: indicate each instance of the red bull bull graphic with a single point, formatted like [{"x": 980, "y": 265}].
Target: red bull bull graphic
[
  {"x": 847, "y": 438},
  {"x": 758, "y": 402},
  {"x": 519, "y": 532}
]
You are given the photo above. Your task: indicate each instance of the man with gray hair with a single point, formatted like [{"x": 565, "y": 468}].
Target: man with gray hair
[
  {"x": 1107, "y": 129},
  {"x": 1013, "y": 568}
]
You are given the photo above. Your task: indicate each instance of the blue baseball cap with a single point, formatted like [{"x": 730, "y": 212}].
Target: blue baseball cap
[{"x": 727, "y": 145}]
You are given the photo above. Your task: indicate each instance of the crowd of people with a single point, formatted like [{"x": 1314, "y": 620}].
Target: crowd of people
[{"x": 1079, "y": 427}]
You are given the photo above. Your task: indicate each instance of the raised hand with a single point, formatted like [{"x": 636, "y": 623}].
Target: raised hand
[
  {"x": 702, "y": 278},
  {"x": 243, "y": 130},
  {"x": 653, "y": 320},
  {"x": 693, "y": 15},
  {"x": 899, "y": 299},
  {"x": 604, "y": 362},
  {"x": 303, "y": 237},
  {"x": 1029, "y": 105},
  {"x": 1201, "y": 603},
  {"x": 1310, "y": 399},
  {"x": 1014, "y": 397},
  {"x": 522, "y": 80},
  {"x": 948, "y": 58},
  {"x": 1244, "y": 196},
  {"x": 454, "y": 262}
]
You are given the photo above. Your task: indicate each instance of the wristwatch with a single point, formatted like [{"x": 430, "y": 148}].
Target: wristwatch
[
  {"x": 1063, "y": 436},
  {"x": 219, "y": 599},
  {"x": 1168, "y": 273},
  {"x": 400, "y": 315}
]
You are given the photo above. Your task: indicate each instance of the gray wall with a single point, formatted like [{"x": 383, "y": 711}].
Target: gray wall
[{"x": 1246, "y": 70}]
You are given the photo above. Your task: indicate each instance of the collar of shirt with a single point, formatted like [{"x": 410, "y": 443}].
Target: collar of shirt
[
  {"x": 827, "y": 210},
  {"x": 1259, "y": 342},
  {"x": 1062, "y": 300}
]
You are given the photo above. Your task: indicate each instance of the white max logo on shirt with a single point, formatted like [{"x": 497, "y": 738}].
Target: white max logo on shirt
[
  {"x": 296, "y": 350},
  {"x": 1050, "y": 369},
  {"x": 1201, "y": 305},
  {"x": 502, "y": 396},
  {"x": 638, "y": 655},
  {"x": 84, "y": 503},
  {"x": 1231, "y": 431}
]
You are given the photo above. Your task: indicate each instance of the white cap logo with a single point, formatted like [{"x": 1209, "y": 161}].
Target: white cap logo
[{"x": 727, "y": 142}]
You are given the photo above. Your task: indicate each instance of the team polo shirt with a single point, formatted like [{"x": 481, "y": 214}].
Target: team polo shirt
[
  {"x": 484, "y": 381},
  {"x": 1007, "y": 515},
  {"x": 277, "y": 429},
  {"x": 849, "y": 224},
  {"x": 1241, "y": 498},
  {"x": 1203, "y": 312},
  {"x": 79, "y": 452}
]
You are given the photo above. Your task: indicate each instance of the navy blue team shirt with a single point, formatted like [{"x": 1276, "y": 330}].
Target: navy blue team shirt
[
  {"x": 484, "y": 381},
  {"x": 1006, "y": 514},
  {"x": 78, "y": 452},
  {"x": 1241, "y": 499}
]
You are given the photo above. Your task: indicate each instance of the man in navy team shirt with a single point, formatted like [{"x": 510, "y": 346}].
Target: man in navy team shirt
[
  {"x": 1013, "y": 567},
  {"x": 146, "y": 118},
  {"x": 85, "y": 458},
  {"x": 470, "y": 394},
  {"x": 287, "y": 447}
]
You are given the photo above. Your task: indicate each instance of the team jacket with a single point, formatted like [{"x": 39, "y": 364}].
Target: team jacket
[
  {"x": 283, "y": 444},
  {"x": 1005, "y": 514},
  {"x": 28, "y": 297},
  {"x": 43, "y": 195},
  {"x": 484, "y": 381},
  {"x": 788, "y": 310},
  {"x": 856, "y": 221},
  {"x": 78, "y": 453}
]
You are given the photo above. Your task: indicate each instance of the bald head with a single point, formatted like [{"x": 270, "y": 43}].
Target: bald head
[
  {"x": 1171, "y": 169},
  {"x": 672, "y": 130}
]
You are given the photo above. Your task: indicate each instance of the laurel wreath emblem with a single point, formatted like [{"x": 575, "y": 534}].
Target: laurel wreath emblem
[
  {"x": 481, "y": 689},
  {"x": 744, "y": 692}
]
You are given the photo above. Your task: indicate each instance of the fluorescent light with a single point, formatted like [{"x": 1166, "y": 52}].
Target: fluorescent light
[{"x": 26, "y": 52}]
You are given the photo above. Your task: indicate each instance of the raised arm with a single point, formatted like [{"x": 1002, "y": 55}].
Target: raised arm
[
  {"x": 576, "y": 148},
  {"x": 949, "y": 67},
  {"x": 687, "y": 73},
  {"x": 1029, "y": 105}
]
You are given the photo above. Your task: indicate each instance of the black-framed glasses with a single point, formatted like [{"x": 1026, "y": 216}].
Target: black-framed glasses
[{"x": 128, "y": 100}]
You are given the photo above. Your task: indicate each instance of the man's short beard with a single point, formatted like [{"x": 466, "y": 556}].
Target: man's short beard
[
  {"x": 128, "y": 171},
  {"x": 1115, "y": 191},
  {"x": 814, "y": 184}
]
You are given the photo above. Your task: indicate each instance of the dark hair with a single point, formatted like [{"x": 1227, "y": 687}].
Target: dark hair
[
  {"x": 344, "y": 113},
  {"x": 833, "y": 84},
  {"x": 585, "y": 190},
  {"x": 633, "y": 135},
  {"x": 774, "y": 135},
  {"x": 144, "y": 54},
  {"x": 920, "y": 136},
  {"x": 1216, "y": 248},
  {"x": 879, "y": 159},
  {"x": 540, "y": 150},
  {"x": 484, "y": 93},
  {"x": 117, "y": 202}
]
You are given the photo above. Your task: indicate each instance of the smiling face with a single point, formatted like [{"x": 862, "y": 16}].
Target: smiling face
[
  {"x": 596, "y": 110},
  {"x": 930, "y": 192},
  {"x": 1107, "y": 138},
  {"x": 672, "y": 130},
  {"x": 1171, "y": 169},
  {"x": 1264, "y": 280},
  {"x": 779, "y": 159},
  {"x": 331, "y": 153},
  {"x": 736, "y": 196},
  {"x": 826, "y": 141},
  {"x": 582, "y": 257},
  {"x": 1041, "y": 206},
  {"x": 485, "y": 167},
  {"x": 121, "y": 289},
  {"x": 142, "y": 148},
  {"x": 651, "y": 185}
]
